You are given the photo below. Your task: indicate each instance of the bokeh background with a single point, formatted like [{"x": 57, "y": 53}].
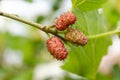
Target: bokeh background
[{"x": 23, "y": 53}]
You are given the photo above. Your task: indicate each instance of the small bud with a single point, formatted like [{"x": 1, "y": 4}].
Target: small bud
[
  {"x": 65, "y": 20},
  {"x": 75, "y": 36},
  {"x": 56, "y": 47}
]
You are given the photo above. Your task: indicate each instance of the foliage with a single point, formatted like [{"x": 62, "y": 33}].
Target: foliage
[
  {"x": 87, "y": 5},
  {"x": 29, "y": 1},
  {"x": 112, "y": 13},
  {"x": 82, "y": 60}
]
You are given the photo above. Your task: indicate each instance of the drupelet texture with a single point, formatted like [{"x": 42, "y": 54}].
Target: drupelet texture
[
  {"x": 65, "y": 20},
  {"x": 75, "y": 36},
  {"x": 56, "y": 47}
]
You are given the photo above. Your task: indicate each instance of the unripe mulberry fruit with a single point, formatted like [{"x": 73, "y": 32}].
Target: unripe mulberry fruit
[
  {"x": 65, "y": 20},
  {"x": 56, "y": 48},
  {"x": 75, "y": 36}
]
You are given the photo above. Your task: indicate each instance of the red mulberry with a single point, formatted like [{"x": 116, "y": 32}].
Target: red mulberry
[
  {"x": 65, "y": 20},
  {"x": 75, "y": 36},
  {"x": 56, "y": 47}
]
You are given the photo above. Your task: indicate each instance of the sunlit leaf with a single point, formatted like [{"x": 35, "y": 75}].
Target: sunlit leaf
[
  {"x": 87, "y": 5},
  {"x": 84, "y": 61}
]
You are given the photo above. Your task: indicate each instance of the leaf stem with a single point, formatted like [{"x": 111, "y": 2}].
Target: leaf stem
[{"x": 104, "y": 34}]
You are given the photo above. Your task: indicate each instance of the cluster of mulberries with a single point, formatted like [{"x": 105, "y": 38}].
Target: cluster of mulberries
[
  {"x": 65, "y": 20},
  {"x": 56, "y": 47},
  {"x": 75, "y": 36}
]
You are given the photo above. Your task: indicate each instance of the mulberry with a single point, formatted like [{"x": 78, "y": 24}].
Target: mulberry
[
  {"x": 75, "y": 36},
  {"x": 65, "y": 20},
  {"x": 56, "y": 48}
]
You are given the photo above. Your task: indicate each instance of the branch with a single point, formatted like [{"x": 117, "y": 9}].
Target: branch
[
  {"x": 36, "y": 25},
  {"x": 54, "y": 32}
]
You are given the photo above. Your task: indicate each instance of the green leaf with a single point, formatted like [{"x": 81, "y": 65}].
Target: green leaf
[
  {"x": 111, "y": 13},
  {"x": 84, "y": 61},
  {"x": 40, "y": 19},
  {"x": 87, "y": 5},
  {"x": 30, "y": 1},
  {"x": 104, "y": 77},
  {"x": 116, "y": 72}
]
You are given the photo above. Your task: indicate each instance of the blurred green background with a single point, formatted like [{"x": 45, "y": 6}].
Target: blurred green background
[{"x": 22, "y": 47}]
